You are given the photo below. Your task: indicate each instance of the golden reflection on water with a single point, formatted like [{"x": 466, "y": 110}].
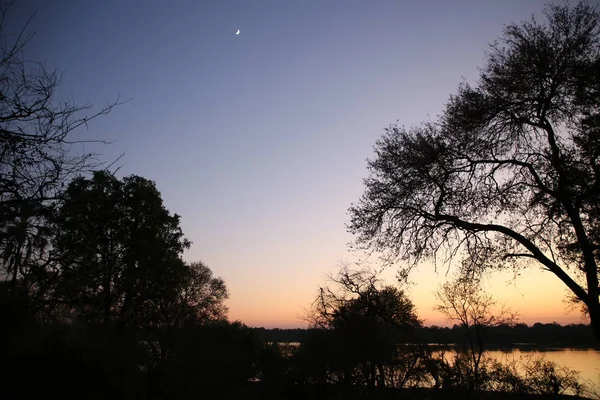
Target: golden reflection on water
[{"x": 586, "y": 361}]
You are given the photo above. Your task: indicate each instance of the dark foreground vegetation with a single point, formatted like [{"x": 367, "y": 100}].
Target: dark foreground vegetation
[
  {"x": 97, "y": 302},
  {"x": 228, "y": 360}
]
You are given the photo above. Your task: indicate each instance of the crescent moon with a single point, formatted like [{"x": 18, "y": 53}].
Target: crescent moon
[{"x": 238, "y": 32}]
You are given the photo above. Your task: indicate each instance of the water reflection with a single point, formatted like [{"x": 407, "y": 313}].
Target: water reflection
[{"x": 586, "y": 361}]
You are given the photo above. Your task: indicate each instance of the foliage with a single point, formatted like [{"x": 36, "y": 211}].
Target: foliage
[
  {"x": 360, "y": 294},
  {"x": 215, "y": 359},
  {"x": 509, "y": 174},
  {"x": 70, "y": 362},
  {"x": 463, "y": 301},
  {"x": 118, "y": 249},
  {"x": 106, "y": 253},
  {"x": 368, "y": 322},
  {"x": 37, "y": 156},
  {"x": 282, "y": 335},
  {"x": 546, "y": 377},
  {"x": 276, "y": 365},
  {"x": 530, "y": 375},
  {"x": 200, "y": 298}
]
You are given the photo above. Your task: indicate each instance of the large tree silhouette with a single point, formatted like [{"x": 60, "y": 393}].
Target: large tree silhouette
[
  {"x": 119, "y": 251},
  {"x": 509, "y": 174}
]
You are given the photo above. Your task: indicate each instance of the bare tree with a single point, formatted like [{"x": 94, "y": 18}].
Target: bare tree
[
  {"x": 347, "y": 286},
  {"x": 509, "y": 176},
  {"x": 464, "y": 302},
  {"x": 38, "y": 153}
]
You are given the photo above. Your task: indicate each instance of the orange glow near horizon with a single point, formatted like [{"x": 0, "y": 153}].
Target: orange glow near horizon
[{"x": 536, "y": 296}]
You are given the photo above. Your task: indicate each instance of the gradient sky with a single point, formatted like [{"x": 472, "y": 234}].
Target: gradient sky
[{"x": 259, "y": 140}]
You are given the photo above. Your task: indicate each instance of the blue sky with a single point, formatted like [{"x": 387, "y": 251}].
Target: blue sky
[{"x": 259, "y": 140}]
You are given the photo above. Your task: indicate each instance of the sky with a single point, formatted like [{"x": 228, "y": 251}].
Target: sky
[{"x": 260, "y": 140}]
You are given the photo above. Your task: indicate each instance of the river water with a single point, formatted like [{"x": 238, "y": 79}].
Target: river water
[{"x": 586, "y": 361}]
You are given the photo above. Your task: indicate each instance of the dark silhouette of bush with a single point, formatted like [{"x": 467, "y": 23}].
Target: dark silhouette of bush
[
  {"x": 322, "y": 359},
  {"x": 364, "y": 328},
  {"x": 217, "y": 358},
  {"x": 16, "y": 314},
  {"x": 71, "y": 362}
]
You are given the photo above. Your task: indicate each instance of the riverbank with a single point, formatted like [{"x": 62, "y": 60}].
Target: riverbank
[
  {"x": 504, "y": 336},
  {"x": 257, "y": 391}
]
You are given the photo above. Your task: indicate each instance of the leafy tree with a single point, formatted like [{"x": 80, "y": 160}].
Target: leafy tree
[
  {"x": 370, "y": 321},
  {"x": 36, "y": 156},
  {"x": 360, "y": 292},
  {"x": 204, "y": 293},
  {"x": 119, "y": 251},
  {"x": 373, "y": 326},
  {"x": 200, "y": 299},
  {"x": 509, "y": 175}
]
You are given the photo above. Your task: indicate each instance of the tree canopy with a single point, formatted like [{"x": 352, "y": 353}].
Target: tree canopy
[
  {"x": 508, "y": 176},
  {"x": 119, "y": 255},
  {"x": 367, "y": 323}
]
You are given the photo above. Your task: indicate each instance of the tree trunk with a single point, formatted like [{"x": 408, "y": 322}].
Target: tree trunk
[
  {"x": 16, "y": 264},
  {"x": 126, "y": 311},
  {"x": 594, "y": 312},
  {"x": 372, "y": 373},
  {"x": 107, "y": 298},
  {"x": 381, "y": 376}
]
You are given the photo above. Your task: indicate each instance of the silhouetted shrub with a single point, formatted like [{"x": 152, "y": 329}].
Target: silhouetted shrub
[
  {"x": 71, "y": 362},
  {"x": 218, "y": 358}
]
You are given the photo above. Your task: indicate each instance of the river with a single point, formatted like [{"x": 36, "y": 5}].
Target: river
[{"x": 586, "y": 361}]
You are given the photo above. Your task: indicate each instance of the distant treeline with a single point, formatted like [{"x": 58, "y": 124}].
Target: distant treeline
[{"x": 573, "y": 335}]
